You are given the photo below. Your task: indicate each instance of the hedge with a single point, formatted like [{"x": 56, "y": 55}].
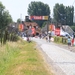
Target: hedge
[{"x": 59, "y": 39}]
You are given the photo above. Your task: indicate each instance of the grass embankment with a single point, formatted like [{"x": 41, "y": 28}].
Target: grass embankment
[{"x": 21, "y": 58}]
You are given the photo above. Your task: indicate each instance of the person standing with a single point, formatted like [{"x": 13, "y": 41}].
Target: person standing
[
  {"x": 69, "y": 41},
  {"x": 73, "y": 39},
  {"x": 49, "y": 37}
]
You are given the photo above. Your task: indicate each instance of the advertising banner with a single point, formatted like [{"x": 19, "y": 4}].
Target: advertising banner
[
  {"x": 52, "y": 27},
  {"x": 38, "y": 17},
  {"x": 57, "y": 31},
  {"x": 21, "y": 27},
  {"x": 45, "y": 17}
]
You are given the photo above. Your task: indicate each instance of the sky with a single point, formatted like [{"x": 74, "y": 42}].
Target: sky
[{"x": 18, "y": 8}]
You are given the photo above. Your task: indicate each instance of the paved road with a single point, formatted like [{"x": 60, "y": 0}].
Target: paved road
[{"x": 62, "y": 58}]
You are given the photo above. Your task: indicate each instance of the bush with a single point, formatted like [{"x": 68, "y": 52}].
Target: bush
[
  {"x": 13, "y": 37},
  {"x": 59, "y": 39},
  {"x": 64, "y": 40}
]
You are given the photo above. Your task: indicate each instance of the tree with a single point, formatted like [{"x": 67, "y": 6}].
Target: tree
[
  {"x": 19, "y": 20},
  {"x": 69, "y": 15},
  {"x": 73, "y": 28},
  {"x": 5, "y": 19},
  {"x": 63, "y": 14},
  {"x": 59, "y": 13},
  {"x": 38, "y": 9}
]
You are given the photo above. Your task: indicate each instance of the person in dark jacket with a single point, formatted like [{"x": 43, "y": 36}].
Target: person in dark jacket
[{"x": 49, "y": 37}]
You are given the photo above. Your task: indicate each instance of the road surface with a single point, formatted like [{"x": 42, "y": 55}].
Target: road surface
[{"x": 62, "y": 58}]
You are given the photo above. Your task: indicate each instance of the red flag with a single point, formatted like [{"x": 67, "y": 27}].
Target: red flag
[{"x": 21, "y": 27}]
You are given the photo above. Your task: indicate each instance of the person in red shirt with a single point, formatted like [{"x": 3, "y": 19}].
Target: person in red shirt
[{"x": 72, "y": 41}]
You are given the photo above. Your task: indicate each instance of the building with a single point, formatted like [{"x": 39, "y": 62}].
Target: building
[
  {"x": 33, "y": 28},
  {"x": 29, "y": 28}
]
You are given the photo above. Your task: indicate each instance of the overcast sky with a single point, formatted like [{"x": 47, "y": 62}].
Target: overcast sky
[{"x": 18, "y": 8}]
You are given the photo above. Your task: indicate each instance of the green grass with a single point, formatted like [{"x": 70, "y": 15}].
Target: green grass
[{"x": 21, "y": 58}]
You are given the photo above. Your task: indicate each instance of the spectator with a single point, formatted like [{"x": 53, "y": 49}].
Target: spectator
[
  {"x": 69, "y": 41},
  {"x": 72, "y": 41},
  {"x": 49, "y": 37}
]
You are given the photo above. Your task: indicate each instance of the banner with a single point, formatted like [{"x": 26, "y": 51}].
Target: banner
[
  {"x": 45, "y": 17},
  {"x": 21, "y": 27},
  {"x": 57, "y": 31},
  {"x": 38, "y": 17},
  {"x": 52, "y": 27}
]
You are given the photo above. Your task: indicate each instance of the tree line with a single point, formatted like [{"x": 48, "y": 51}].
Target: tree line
[
  {"x": 61, "y": 14},
  {"x": 5, "y": 20}
]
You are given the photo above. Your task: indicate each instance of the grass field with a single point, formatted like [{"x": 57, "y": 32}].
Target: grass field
[{"x": 21, "y": 58}]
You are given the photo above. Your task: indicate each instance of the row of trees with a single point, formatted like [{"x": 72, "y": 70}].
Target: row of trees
[
  {"x": 62, "y": 14},
  {"x": 5, "y": 20},
  {"x": 5, "y": 17},
  {"x": 38, "y": 9}
]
